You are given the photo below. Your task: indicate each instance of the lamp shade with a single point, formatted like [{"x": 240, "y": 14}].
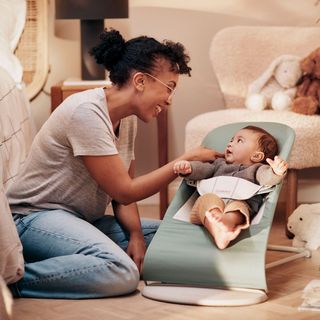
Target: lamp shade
[
  {"x": 91, "y": 9},
  {"x": 92, "y": 14}
]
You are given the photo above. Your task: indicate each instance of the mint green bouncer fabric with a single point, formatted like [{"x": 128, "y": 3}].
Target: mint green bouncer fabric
[{"x": 183, "y": 253}]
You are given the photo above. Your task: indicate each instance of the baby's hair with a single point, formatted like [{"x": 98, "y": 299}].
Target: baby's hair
[
  {"x": 141, "y": 54},
  {"x": 267, "y": 143}
]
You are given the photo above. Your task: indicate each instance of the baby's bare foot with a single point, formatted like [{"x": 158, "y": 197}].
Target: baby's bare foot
[
  {"x": 221, "y": 228},
  {"x": 225, "y": 221}
]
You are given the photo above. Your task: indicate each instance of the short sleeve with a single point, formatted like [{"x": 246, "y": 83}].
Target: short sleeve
[{"x": 90, "y": 132}]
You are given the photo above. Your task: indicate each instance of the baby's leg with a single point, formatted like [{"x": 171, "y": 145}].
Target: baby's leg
[
  {"x": 242, "y": 219},
  {"x": 208, "y": 202},
  {"x": 226, "y": 226}
]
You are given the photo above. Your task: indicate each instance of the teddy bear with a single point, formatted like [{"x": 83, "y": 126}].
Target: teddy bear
[
  {"x": 307, "y": 99},
  {"x": 304, "y": 223},
  {"x": 276, "y": 87}
]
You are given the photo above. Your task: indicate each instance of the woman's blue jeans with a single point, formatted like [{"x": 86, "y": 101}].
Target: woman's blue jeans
[{"x": 69, "y": 258}]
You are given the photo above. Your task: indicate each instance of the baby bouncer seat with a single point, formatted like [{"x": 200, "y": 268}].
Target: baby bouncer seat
[{"x": 182, "y": 263}]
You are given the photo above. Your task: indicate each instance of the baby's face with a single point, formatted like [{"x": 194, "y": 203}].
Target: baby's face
[{"x": 241, "y": 147}]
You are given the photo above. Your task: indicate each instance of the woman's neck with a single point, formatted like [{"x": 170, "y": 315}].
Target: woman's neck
[{"x": 118, "y": 103}]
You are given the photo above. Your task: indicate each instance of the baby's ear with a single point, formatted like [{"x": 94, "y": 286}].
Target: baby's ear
[{"x": 257, "y": 156}]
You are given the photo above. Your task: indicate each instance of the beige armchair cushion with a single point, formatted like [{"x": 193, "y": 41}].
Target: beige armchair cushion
[{"x": 305, "y": 152}]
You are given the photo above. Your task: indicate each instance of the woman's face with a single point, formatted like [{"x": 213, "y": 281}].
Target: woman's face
[{"x": 157, "y": 93}]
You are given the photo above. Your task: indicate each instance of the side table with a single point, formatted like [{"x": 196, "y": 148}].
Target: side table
[{"x": 62, "y": 90}]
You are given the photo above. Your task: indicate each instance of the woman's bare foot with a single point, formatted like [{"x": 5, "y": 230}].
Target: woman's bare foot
[{"x": 222, "y": 227}]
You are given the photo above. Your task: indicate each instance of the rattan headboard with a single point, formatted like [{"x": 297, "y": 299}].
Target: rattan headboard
[{"x": 32, "y": 49}]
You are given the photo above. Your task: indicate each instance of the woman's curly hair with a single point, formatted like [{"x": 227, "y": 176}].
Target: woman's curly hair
[{"x": 121, "y": 57}]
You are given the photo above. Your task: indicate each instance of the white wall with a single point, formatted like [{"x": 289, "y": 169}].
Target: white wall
[{"x": 192, "y": 23}]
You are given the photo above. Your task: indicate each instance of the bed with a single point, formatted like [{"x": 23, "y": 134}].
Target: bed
[{"x": 23, "y": 70}]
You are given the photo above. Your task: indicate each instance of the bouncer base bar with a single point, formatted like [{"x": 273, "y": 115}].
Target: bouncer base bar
[
  {"x": 299, "y": 253},
  {"x": 203, "y": 296}
]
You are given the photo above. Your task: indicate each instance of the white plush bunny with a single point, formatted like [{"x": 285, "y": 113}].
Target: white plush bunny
[
  {"x": 276, "y": 87},
  {"x": 304, "y": 223}
]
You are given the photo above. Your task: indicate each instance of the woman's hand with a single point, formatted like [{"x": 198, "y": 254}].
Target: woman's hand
[
  {"x": 278, "y": 165},
  {"x": 202, "y": 154},
  {"x": 136, "y": 249}
]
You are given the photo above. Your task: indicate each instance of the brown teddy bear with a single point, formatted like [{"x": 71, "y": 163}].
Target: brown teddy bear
[{"x": 307, "y": 99}]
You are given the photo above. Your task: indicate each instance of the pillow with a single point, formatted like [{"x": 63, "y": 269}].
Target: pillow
[{"x": 12, "y": 20}]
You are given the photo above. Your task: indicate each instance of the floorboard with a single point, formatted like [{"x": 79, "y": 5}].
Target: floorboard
[{"x": 285, "y": 284}]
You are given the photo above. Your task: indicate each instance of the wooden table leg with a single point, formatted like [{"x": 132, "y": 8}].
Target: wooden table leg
[
  {"x": 292, "y": 196},
  {"x": 162, "y": 122},
  {"x": 56, "y": 96}
]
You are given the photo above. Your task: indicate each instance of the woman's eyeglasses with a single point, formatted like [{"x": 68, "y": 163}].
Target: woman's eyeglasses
[{"x": 172, "y": 90}]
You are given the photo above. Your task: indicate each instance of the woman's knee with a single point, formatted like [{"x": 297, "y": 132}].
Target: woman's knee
[
  {"x": 120, "y": 277},
  {"x": 131, "y": 281}
]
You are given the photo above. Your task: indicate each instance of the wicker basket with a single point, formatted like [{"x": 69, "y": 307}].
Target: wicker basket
[{"x": 32, "y": 49}]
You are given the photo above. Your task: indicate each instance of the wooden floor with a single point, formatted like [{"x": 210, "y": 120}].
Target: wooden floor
[{"x": 285, "y": 284}]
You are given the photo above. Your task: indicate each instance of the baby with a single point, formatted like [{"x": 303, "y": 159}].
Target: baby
[{"x": 252, "y": 155}]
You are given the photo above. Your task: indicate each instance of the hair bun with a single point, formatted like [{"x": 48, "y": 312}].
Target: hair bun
[{"x": 110, "y": 49}]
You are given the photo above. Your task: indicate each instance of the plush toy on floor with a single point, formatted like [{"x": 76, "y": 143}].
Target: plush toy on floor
[
  {"x": 304, "y": 223},
  {"x": 276, "y": 87},
  {"x": 307, "y": 99}
]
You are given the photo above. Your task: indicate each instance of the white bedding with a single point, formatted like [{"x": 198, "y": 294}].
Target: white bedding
[
  {"x": 16, "y": 134},
  {"x": 16, "y": 129},
  {"x": 12, "y": 21}
]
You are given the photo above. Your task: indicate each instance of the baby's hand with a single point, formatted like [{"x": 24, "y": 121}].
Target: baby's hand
[
  {"x": 182, "y": 167},
  {"x": 278, "y": 165}
]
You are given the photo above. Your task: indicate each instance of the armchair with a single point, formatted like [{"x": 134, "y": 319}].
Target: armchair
[{"x": 238, "y": 56}]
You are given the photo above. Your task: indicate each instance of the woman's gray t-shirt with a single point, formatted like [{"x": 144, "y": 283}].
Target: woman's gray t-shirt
[{"x": 54, "y": 175}]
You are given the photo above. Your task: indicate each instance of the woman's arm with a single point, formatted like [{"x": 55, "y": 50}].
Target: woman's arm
[
  {"x": 112, "y": 176},
  {"x": 128, "y": 216}
]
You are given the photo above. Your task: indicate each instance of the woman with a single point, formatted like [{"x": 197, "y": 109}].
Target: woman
[{"x": 83, "y": 157}]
